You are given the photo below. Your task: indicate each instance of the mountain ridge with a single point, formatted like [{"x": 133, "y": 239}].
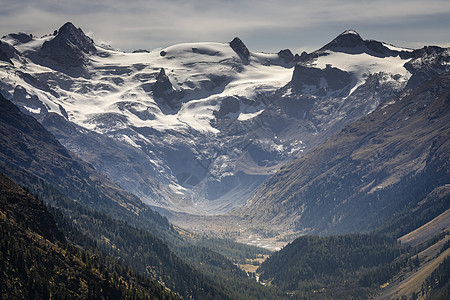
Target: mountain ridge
[{"x": 232, "y": 120}]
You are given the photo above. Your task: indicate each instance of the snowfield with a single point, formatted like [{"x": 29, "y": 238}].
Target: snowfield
[
  {"x": 363, "y": 64},
  {"x": 115, "y": 78}
]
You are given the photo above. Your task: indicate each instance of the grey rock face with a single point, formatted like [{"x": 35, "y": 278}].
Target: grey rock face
[
  {"x": 7, "y": 52},
  {"x": 141, "y": 51},
  {"x": 377, "y": 47},
  {"x": 164, "y": 90},
  {"x": 21, "y": 37},
  {"x": 426, "y": 63},
  {"x": 351, "y": 42},
  {"x": 229, "y": 105},
  {"x": 4, "y": 57},
  {"x": 69, "y": 46},
  {"x": 347, "y": 39},
  {"x": 239, "y": 47},
  {"x": 123, "y": 163},
  {"x": 162, "y": 87},
  {"x": 69, "y": 34},
  {"x": 27, "y": 102},
  {"x": 286, "y": 55},
  {"x": 326, "y": 80}
]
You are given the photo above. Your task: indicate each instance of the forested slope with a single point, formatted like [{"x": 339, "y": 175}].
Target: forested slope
[{"x": 38, "y": 262}]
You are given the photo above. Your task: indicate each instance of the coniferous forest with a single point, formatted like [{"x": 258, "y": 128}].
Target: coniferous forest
[{"x": 39, "y": 263}]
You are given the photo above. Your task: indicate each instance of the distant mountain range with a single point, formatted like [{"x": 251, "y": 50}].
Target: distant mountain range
[{"x": 198, "y": 127}]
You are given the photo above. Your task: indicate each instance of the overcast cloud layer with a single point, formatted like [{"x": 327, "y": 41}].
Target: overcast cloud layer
[{"x": 262, "y": 25}]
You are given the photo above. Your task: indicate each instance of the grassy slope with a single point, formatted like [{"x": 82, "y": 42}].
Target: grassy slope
[
  {"x": 424, "y": 232},
  {"x": 410, "y": 281}
]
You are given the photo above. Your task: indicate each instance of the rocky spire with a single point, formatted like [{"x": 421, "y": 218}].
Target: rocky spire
[
  {"x": 162, "y": 86},
  {"x": 165, "y": 93},
  {"x": 239, "y": 47}
]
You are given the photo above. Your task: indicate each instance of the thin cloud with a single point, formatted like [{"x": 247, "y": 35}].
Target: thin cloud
[{"x": 150, "y": 24}]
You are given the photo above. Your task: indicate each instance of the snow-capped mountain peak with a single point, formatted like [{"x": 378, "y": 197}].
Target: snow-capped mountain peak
[
  {"x": 349, "y": 31},
  {"x": 75, "y": 36},
  {"x": 207, "y": 121},
  {"x": 69, "y": 46},
  {"x": 347, "y": 39}
]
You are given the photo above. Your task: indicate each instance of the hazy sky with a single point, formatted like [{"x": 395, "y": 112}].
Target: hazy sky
[{"x": 263, "y": 25}]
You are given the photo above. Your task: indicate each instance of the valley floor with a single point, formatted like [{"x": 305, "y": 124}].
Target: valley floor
[{"x": 232, "y": 227}]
